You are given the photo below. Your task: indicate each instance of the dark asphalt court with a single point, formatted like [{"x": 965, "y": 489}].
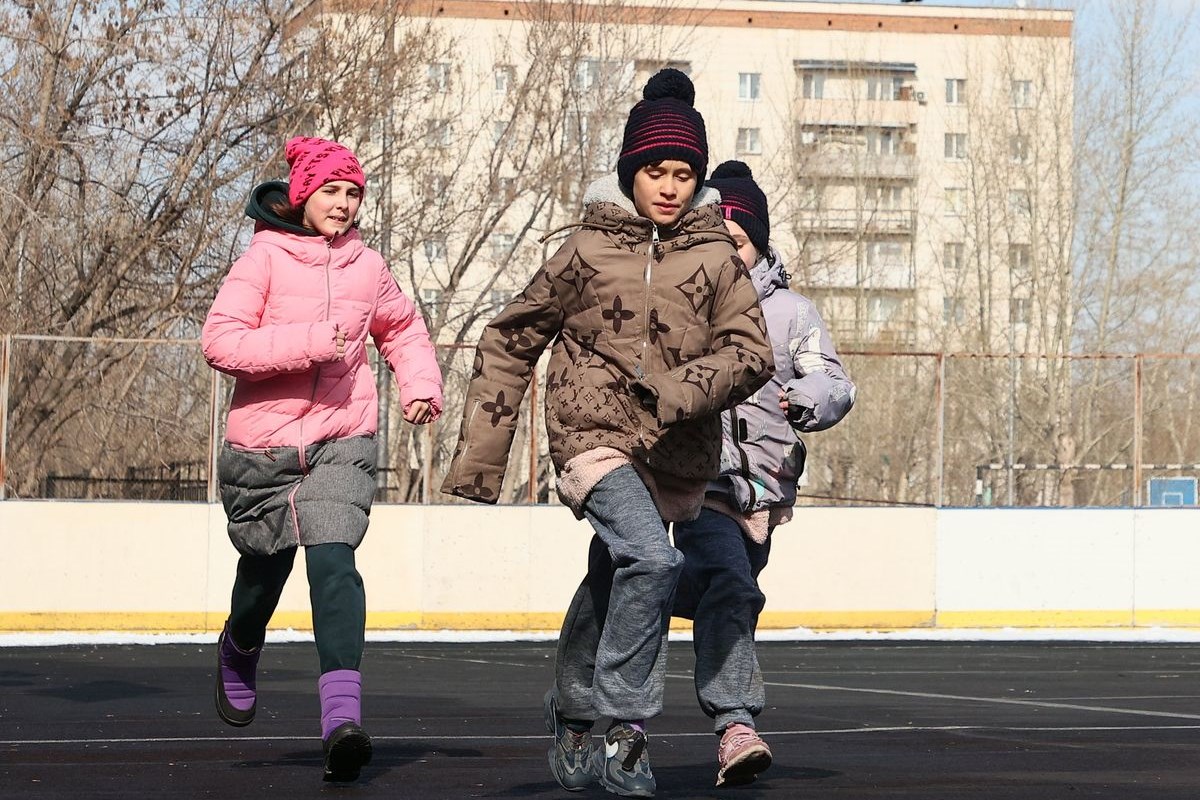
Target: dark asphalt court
[{"x": 846, "y": 720}]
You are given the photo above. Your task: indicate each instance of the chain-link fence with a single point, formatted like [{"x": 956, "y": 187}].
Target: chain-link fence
[{"x": 142, "y": 420}]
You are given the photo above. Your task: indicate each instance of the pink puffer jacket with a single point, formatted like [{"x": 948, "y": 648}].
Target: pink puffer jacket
[{"x": 272, "y": 327}]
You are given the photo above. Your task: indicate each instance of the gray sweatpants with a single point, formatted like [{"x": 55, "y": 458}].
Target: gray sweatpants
[
  {"x": 719, "y": 591},
  {"x": 612, "y": 651}
]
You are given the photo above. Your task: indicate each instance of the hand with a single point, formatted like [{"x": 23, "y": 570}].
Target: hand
[
  {"x": 419, "y": 412},
  {"x": 339, "y": 339},
  {"x": 783, "y": 401}
]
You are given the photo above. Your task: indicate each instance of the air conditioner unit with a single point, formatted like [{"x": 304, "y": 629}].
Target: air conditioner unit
[{"x": 920, "y": 98}]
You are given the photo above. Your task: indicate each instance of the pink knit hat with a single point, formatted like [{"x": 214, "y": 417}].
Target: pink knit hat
[{"x": 315, "y": 162}]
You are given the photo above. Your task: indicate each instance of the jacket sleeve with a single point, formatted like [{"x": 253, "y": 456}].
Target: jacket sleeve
[
  {"x": 403, "y": 341},
  {"x": 740, "y": 364},
  {"x": 235, "y": 341},
  {"x": 505, "y": 360},
  {"x": 823, "y": 393}
]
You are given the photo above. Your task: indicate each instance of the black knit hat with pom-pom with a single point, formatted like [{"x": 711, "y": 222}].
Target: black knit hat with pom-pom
[
  {"x": 663, "y": 126},
  {"x": 743, "y": 202}
]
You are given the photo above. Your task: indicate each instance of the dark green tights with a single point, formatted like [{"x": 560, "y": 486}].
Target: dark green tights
[{"x": 335, "y": 589}]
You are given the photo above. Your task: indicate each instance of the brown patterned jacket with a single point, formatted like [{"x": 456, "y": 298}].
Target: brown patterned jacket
[{"x": 652, "y": 339}]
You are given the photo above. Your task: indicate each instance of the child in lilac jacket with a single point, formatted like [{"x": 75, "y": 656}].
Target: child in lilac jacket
[
  {"x": 297, "y": 467},
  {"x": 762, "y": 456}
]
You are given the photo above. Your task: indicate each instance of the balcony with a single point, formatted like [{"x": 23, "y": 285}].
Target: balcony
[
  {"x": 812, "y": 162},
  {"x": 859, "y": 112},
  {"x": 885, "y": 276},
  {"x": 858, "y": 220}
]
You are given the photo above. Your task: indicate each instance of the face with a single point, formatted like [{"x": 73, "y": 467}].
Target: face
[
  {"x": 746, "y": 250},
  {"x": 663, "y": 190},
  {"x": 331, "y": 209}
]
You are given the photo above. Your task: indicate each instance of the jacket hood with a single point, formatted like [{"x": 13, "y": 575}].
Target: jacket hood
[
  {"x": 606, "y": 206},
  {"x": 769, "y": 274},
  {"x": 257, "y": 210}
]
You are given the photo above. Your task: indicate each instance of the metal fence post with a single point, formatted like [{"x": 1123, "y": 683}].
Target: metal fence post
[
  {"x": 1138, "y": 369},
  {"x": 214, "y": 404},
  {"x": 5, "y": 356},
  {"x": 940, "y": 394}
]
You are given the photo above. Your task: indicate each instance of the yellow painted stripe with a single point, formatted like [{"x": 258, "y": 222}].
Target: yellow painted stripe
[
  {"x": 1167, "y": 618},
  {"x": 1035, "y": 619},
  {"x": 200, "y": 622}
]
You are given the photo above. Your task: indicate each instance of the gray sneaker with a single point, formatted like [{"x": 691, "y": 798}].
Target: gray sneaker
[
  {"x": 626, "y": 767},
  {"x": 571, "y": 760}
]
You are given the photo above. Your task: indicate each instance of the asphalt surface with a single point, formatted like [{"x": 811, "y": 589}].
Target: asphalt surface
[{"x": 845, "y": 720}]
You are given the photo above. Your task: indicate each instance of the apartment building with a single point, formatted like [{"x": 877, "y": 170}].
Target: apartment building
[{"x": 917, "y": 157}]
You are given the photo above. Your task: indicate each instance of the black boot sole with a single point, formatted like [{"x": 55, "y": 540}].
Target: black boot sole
[{"x": 347, "y": 751}]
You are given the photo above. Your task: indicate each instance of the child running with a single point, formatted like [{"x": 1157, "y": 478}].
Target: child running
[
  {"x": 656, "y": 328},
  {"x": 762, "y": 458},
  {"x": 290, "y": 323}
]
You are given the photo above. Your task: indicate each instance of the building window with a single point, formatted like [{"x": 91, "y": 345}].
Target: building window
[
  {"x": 952, "y": 310},
  {"x": 587, "y": 74},
  {"x": 884, "y": 87},
  {"x": 956, "y": 201},
  {"x": 439, "y": 77},
  {"x": 884, "y": 254},
  {"x": 953, "y": 257},
  {"x": 1022, "y": 94},
  {"x": 748, "y": 85},
  {"x": 956, "y": 91},
  {"x": 437, "y": 133},
  {"x": 1020, "y": 263},
  {"x": 748, "y": 143},
  {"x": 1019, "y": 203},
  {"x": 506, "y": 188},
  {"x": 502, "y": 245},
  {"x": 956, "y": 145},
  {"x": 431, "y": 298},
  {"x": 882, "y": 141},
  {"x": 498, "y": 129},
  {"x": 435, "y": 249},
  {"x": 813, "y": 85},
  {"x": 1018, "y": 310},
  {"x": 1018, "y": 148},
  {"x": 495, "y": 298},
  {"x": 889, "y": 198},
  {"x": 504, "y": 77}
]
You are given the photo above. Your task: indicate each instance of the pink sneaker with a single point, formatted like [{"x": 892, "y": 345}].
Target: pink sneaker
[{"x": 742, "y": 755}]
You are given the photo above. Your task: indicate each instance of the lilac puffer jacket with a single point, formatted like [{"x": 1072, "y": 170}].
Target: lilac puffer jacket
[
  {"x": 272, "y": 327},
  {"x": 762, "y": 456}
]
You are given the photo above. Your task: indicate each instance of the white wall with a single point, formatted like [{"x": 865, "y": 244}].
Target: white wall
[{"x": 79, "y": 566}]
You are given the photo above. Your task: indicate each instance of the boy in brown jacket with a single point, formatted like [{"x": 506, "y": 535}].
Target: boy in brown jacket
[{"x": 656, "y": 329}]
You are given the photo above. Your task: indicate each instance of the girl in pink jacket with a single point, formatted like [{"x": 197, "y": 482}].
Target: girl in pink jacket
[{"x": 297, "y": 467}]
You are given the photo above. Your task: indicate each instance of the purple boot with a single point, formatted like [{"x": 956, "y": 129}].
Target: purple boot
[
  {"x": 236, "y": 668},
  {"x": 347, "y": 746}
]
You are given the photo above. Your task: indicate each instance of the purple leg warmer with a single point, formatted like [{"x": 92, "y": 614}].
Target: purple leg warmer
[{"x": 341, "y": 699}]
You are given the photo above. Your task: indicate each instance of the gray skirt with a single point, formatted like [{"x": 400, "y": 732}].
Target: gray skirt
[{"x": 273, "y": 504}]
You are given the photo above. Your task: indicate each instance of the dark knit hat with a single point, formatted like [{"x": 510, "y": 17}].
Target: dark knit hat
[
  {"x": 743, "y": 202},
  {"x": 662, "y": 126}
]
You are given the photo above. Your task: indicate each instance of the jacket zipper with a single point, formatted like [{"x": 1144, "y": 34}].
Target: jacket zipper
[
  {"x": 646, "y": 310},
  {"x": 641, "y": 365},
  {"x": 312, "y": 394}
]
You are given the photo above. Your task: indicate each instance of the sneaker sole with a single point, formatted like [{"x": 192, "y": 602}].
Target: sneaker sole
[
  {"x": 617, "y": 790},
  {"x": 746, "y": 768},
  {"x": 347, "y": 756}
]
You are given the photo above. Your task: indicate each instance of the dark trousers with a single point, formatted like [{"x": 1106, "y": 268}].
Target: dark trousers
[
  {"x": 719, "y": 591},
  {"x": 335, "y": 589}
]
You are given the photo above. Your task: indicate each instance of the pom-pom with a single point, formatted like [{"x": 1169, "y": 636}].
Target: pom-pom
[
  {"x": 732, "y": 169},
  {"x": 670, "y": 82}
]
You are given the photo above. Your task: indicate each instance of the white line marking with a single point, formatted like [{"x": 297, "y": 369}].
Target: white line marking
[
  {"x": 993, "y": 700},
  {"x": 543, "y": 736}
]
